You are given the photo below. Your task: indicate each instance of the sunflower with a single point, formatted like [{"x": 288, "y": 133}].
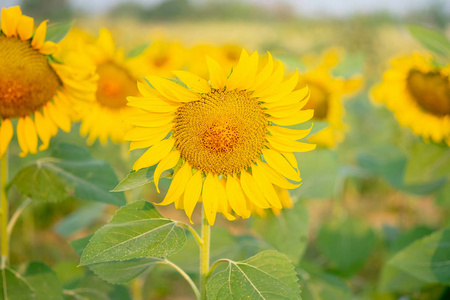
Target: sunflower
[
  {"x": 104, "y": 118},
  {"x": 418, "y": 93},
  {"x": 159, "y": 58},
  {"x": 35, "y": 88},
  {"x": 225, "y": 139},
  {"x": 327, "y": 92}
]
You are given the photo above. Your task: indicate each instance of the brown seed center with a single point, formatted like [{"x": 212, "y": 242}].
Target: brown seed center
[
  {"x": 431, "y": 91},
  {"x": 27, "y": 80}
]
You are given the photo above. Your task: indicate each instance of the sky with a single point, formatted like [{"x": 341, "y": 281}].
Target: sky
[{"x": 303, "y": 7}]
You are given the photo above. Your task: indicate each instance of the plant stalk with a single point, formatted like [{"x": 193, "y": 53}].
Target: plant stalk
[
  {"x": 204, "y": 254},
  {"x": 4, "y": 240}
]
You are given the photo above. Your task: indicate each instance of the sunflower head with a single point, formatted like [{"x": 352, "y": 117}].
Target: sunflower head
[
  {"x": 327, "y": 93},
  {"x": 417, "y": 91},
  {"x": 34, "y": 88},
  {"x": 225, "y": 138},
  {"x": 104, "y": 118}
]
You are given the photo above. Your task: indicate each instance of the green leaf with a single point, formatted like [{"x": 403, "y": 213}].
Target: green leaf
[
  {"x": 427, "y": 162},
  {"x": 138, "y": 178},
  {"x": 46, "y": 285},
  {"x": 346, "y": 244},
  {"x": 424, "y": 261},
  {"x": 433, "y": 40},
  {"x": 93, "y": 288},
  {"x": 83, "y": 217},
  {"x": 318, "y": 285},
  {"x": 319, "y": 171},
  {"x": 122, "y": 272},
  {"x": 57, "y": 32},
  {"x": 14, "y": 286},
  {"x": 267, "y": 275},
  {"x": 287, "y": 232},
  {"x": 137, "y": 50},
  {"x": 409, "y": 237},
  {"x": 70, "y": 173},
  {"x": 137, "y": 230},
  {"x": 390, "y": 163}
]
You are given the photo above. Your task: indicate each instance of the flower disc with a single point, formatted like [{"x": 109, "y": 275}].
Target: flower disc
[
  {"x": 27, "y": 81},
  {"x": 222, "y": 133}
]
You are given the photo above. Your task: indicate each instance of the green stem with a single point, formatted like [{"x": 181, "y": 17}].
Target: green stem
[
  {"x": 185, "y": 276},
  {"x": 16, "y": 216},
  {"x": 4, "y": 241},
  {"x": 198, "y": 239},
  {"x": 204, "y": 254}
]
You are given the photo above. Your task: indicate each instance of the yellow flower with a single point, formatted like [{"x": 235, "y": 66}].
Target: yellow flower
[
  {"x": 104, "y": 118},
  {"x": 326, "y": 96},
  {"x": 160, "y": 58},
  {"x": 227, "y": 142},
  {"x": 34, "y": 88},
  {"x": 418, "y": 93}
]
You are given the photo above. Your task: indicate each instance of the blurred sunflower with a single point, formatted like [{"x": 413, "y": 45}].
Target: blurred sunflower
[
  {"x": 327, "y": 92},
  {"x": 228, "y": 145},
  {"x": 226, "y": 55},
  {"x": 159, "y": 58},
  {"x": 104, "y": 118},
  {"x": 35, "y": 88},
  {"x": 418, "y": 93}
]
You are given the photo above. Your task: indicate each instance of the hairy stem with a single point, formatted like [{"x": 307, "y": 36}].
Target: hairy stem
[
  {"x": 185, "y": 276},
  {"x": 4, "y": 240},
  {"x": 204, "y": 254}
]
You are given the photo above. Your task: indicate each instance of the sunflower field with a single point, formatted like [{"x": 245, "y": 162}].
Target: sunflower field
[{"x": 223, "y": 150}]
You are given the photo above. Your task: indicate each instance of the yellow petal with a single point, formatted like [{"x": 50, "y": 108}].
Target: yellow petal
[
  {"x": 42, "y": 129},
  {"x": 297, "y": 118},
  {"x": 39, "y": 35},
  {"x": 146, "y": 90},
  {"x": 166, "y": 163},
  {"x": 252, "y": 190},
  {"x": 291, "y": 159},
  {"x": 30, "y": 134},
  {"x": 172, "y": 90},
  {"x": 239, "y": 72},
  {"x": 275, "y": 177},
  {"x": 152, "y": 104},
  {"x": 264, "y": 74},
  {"x": 266, "y": 187},
  {"x": 48, "y": 48},
  {"x": 293, "y": 134},
  {"x": 283, "y": 144},
  {"x": 280, "y": 164},
  {"x": 21, "y": 137},
  {"x": 61, "y": 119},
  {"x": 276, "y": 93},
  {"x": 178, "y": 184},
  {"x": 217, "y": 76},
  {"x": 223, "y": 206},
  {"x": 192, "y": 193},
  {"x": 292, "y": 98},
  {"x": 272, "y": 83},
  {"x": 154, "y": 154},
  {"x": 145, "y": 133},
  {"x": 235, "y": 196},
  {"x": 194, "y": 82},
  {"x": 6, "y": 134},
  {"x": 151, "y": 119},
  {"x": 286, "y": 111},
  {"x": 210, "y": 198},
  {"x": 10, "y": 19},
  {"x": 25, "y": 28},
  {"x": 106, "y": 42}
]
